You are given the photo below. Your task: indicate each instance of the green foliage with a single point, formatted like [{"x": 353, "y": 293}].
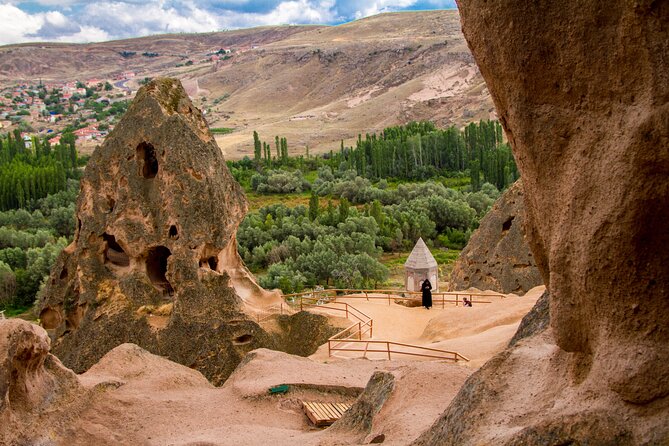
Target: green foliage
[
  {"x": 28, "y": 174},
  {"x": 221, "y": 130},
  {"x": 30, "y": 241},
  {"x": 279, "y": 181}
]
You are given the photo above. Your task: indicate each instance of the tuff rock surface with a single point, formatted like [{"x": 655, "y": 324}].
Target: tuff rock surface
[
  {"x": 497, "y": 256},
  {"x": 583, "y": 95},
  {"x": 154, "y": 260},
  {"x": 32, "y": 381}
]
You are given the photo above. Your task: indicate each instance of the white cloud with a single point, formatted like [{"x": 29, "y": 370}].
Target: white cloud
[
  {"x": 83, "y": 21},
  {"x": 15, "y": 24}
]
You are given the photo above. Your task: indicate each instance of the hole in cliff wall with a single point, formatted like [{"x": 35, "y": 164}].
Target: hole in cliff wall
[
  {"x": 173, "y": 233},
  {"x": 63, "y": 274},
  {"x": 111, "y": 204},
  {"x": 212, "y": 262},
  {"x": 148, "y": 163},
  {"x": 156, "y": 268},
  {"x": 507, "y": 225},
  {"x": 243, "y": 339},
  {"x": 114, "y": 254}
]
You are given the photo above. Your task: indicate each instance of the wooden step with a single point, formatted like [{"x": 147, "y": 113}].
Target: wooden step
[{"x": 324, "y": 414}]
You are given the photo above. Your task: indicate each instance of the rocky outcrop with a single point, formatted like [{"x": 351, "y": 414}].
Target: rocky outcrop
[
  {"x": 154, "y": 260},
  {"x": 583, "y": 94},
  {"x": 32, "y": 381},
  {"x": 497, "y": 256}
]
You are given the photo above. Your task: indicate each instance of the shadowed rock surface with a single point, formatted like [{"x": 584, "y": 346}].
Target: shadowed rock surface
[
  {"x": 497, "y": 256},
  {"x": 583, "y": 94},
  {"x": 154, "y": 261}
]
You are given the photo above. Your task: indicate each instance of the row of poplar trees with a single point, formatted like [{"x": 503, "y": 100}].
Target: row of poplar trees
[
  {"x": 419, "y": 150},
  {"x": 34, "y": 170}
]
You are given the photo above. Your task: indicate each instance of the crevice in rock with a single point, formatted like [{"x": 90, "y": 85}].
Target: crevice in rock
[
  {"x": 114, "y": 254},
  {"x": 148, "y": 163},
  {"x": 111, "y": 203},
  {"x": 156, "y": 268},
  {"x": 507, "y": 225},
  {"x": 243, "y": 339},
  {"x": 173, "y": 233}
]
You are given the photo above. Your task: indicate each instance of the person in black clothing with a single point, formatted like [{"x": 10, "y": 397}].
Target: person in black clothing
[
  {"x": 427, "y": 294},
  {"x": 466, "y": 302}
]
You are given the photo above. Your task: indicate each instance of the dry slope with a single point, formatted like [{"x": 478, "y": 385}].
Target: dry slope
[{"x": 315, "y": 85}]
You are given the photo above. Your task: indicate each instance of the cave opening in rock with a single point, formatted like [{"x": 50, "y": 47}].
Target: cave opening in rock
[
  {"x": 507, "y": 224},
  {"x": 63, "y": 273},
  {"x": 114, "y": 254},
  {"x": 146, "y": 157},
  {"x": 173, "y": 233},
  {"x": 156, "y": 268},
  {"x": 213, "y": 262},
  {"x": 243, "y": 339}
]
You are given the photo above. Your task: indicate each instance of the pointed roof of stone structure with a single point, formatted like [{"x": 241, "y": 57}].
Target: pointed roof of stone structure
[{"x": 420, "y": 257}]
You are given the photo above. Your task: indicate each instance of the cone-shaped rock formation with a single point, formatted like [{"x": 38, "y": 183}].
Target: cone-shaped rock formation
[
  {"x": 497, "y": 256},
  {"x": 154, "y": 260}
]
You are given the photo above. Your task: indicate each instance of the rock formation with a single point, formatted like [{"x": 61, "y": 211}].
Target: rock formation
[
  {"x": 154, "y": 260},
  {"x": 583, "y": 94},
  {"x": 32, "y": 381},
  {"x": 497, "y": 256}
]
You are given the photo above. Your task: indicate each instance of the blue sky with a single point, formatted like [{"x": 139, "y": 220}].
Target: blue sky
[{"x": 93, "y": 21}]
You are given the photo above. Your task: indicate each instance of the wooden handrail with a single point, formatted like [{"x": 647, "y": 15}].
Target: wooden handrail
[
  {"x": 393, "y": 292},
  {"x": 364, "y": 324}
]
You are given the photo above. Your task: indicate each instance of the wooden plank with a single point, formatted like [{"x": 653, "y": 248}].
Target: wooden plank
[
  {"x": 333, "y": 410},
  {"x": 340, "y": 408},
  {"x": 320, "y": 413},
  {"x": 329, "y": 414},
  {"x": 310, "y": 414},
  {"x": 343, "y": 407}
]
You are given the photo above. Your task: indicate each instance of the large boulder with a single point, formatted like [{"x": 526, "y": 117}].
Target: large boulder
[
  {"x": 497, "y": 256},
  {"x": 154, "y": 259},
  {"x": 582, "y": 91},
  {"x": 32, "y": 381}
]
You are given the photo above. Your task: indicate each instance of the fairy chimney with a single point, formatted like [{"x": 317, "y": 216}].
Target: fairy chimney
[{"x": 154, "y": 259}]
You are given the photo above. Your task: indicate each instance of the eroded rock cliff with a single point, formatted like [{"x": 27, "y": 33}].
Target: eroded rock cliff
[
  {"x": 583, "y": 94},
  {"x": 497, "y": 256},
  {"x": 154, "y": 260}
]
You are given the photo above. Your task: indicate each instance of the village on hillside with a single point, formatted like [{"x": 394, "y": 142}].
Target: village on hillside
[{"x": 88, "y": 108}]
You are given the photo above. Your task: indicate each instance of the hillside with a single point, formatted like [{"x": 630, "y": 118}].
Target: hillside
[{"x": 314, "y": 85}]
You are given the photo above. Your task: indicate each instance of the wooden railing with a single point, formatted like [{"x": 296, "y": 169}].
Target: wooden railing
[
  {"x": 438, "y": 297},
  {"x": 387, "y": 347},
  {"x": 349, "y": 338}
]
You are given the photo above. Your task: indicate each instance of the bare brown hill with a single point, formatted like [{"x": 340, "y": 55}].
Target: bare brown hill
[{"x": 314, "y": 85}]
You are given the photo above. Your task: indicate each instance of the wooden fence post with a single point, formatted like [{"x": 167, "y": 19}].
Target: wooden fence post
[{"x": 388, "y": 347}]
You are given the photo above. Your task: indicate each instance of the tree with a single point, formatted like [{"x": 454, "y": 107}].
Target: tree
[
  {"x": 256, "y": 148},
  {"x": 344, "y": 206},
  {"x": 313, "y": 207}
]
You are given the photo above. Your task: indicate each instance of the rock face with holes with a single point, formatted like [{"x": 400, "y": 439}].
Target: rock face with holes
[
  {"x": 583, "y": 94},
  {"x": 154, "y": 260},
  {"x": 497, "y": 256}
]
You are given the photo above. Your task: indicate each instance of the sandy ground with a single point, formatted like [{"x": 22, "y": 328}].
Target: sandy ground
[
  {"x": 477, "y": 332},
  {"x": 134, "y": 397},
  {"x": 140, "y": 398}
]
